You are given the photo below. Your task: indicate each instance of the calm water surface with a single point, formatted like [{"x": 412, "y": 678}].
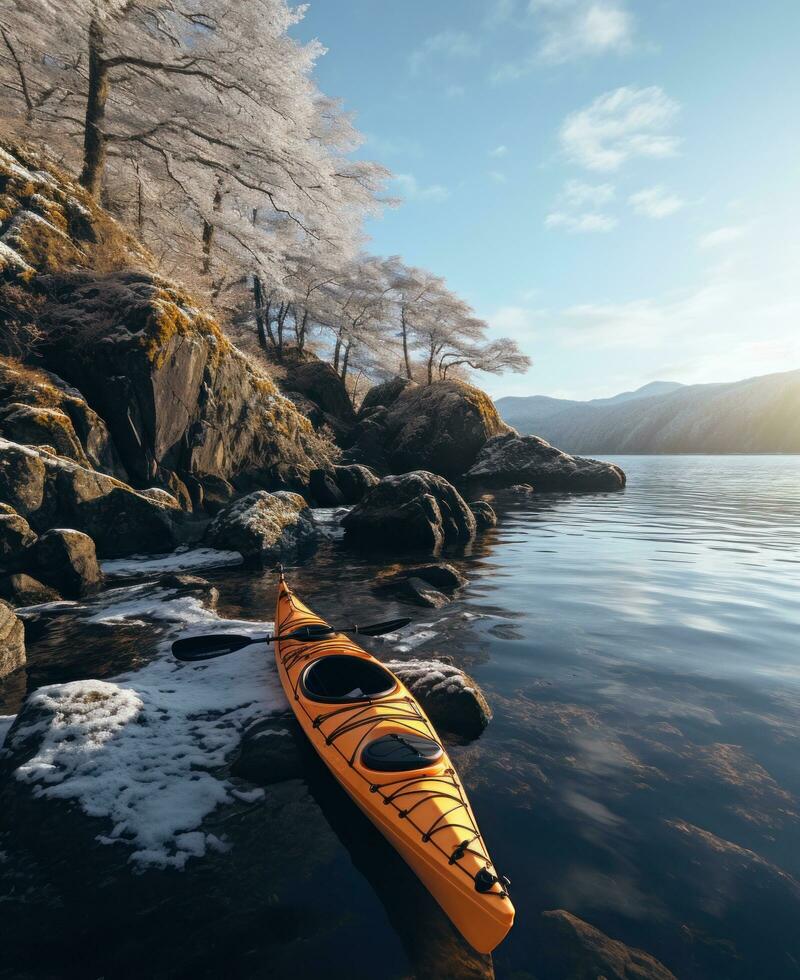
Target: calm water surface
[{"x": 640, "y": 651}]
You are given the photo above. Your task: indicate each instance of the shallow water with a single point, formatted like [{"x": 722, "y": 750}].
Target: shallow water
[{"x": 640, "y": 651}]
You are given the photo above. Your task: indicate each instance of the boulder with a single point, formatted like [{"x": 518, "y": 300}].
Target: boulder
[
  {"x": 22, "y": 590},
  {"x": 418, "y": 510},
  {"x": 512, "y": 459},
  {"x": 383, "y": 395},
  {"x": 353, "y": 481},
  {"x": 317, "y": 381},
  {"x": 53, "y": 491},
  {"x": 439, "y": 427},
  {"x": 483, "y": 513},
  {"x": 575, "y": 950},
  {"x": 450, "y": 698},
  {"x": 324, "y": 489},
  {"x": 15, "y": 535},
  {"x": 266, "y": 526},
  {"x": 12, "y": 641},
  {"x": 38, "y": 426},
  {"x": 66, "y": 559}
]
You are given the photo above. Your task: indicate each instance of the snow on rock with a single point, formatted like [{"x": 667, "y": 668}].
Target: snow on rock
[
  {"x": 181, "y": 560},
  {"x": 329, "y": 521},
  {"x": 451, "y": 698},
  {"x": 144, "y": 750}
]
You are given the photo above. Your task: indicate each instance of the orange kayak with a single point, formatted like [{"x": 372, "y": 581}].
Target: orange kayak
[{"x": 378, "y": 743}]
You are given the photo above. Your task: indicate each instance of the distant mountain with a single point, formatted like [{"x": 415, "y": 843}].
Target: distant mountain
[{"x": 758, "y": 415}]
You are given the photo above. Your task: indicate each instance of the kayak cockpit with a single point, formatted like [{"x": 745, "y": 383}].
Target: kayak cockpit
[
  {"x": 338, "y": 679},
  {"x": 401, "y": 752}
]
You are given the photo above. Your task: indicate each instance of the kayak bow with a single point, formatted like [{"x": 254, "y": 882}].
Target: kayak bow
[{"x": 378, "y": 743}]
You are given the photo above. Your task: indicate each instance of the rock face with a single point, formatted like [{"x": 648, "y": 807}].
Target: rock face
[
  {"x": 15, "y": 535},
  {"x": 439, "y": 427},
  {"x": 179, "y": 400},
  {"x": 66, "y": 560},
  {"x": 511, "y": 459},
  {"x": 451, "y": 699},
  {"x": 265, "y": 526},
  {"x": 578, "y": 951},
  {"x": 418, "y": 510},
  {"x": 39, "y": 408},
  {"x": 12, "y": 641},
  {"x": 53, "y": 491}
]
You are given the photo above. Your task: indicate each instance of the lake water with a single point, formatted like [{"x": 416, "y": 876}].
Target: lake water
[{"x": 641, "y": 652}]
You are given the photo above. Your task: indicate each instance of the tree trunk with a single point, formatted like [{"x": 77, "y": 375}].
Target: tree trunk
[
  {"x": 281, "y": 319},
  {"x": 139, "y": 202},
  {"x": 406, "y": 357},
  {"x": 208, "y": 228},
  {"x": 346, "y": 359},
  {"x": 430, "y": 368},
  {"x": 258, "y": 303},
  {"x": 301, "y": 331},
  {"x": 336, "y": 352},
  {"x": 94, "y": 137},
  {"x": 23, "y": 81}
]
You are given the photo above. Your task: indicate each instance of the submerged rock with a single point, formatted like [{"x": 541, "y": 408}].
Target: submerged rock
[
  {"x": 512, "y": 459},
  {"x": 451, "y": 698},
  {"x": 576, "y": 950},
  {"x": 262, "y": 525},
  {"x": 422, "y": 583},
  {"x": 67, "y": 560},
  {"x": 12, "y": 641},
  {"x": 269, "y": 752},
  {"x": 484, "y": 514},
  {"x": 418, "y": 510}
]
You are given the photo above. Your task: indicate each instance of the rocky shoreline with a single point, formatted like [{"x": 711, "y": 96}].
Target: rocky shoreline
[{"x": 134, "y": 428}]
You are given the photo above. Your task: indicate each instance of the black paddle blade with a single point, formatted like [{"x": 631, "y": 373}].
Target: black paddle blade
[
  {"x": 212, "y": 645},
  {"x": 378, "y": 629}
]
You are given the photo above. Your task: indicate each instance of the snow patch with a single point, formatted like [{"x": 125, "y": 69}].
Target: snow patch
[
  {"x": 6, "y": 721},
  {"x": 181, "y": 560},
  {"x": 329, "y": 521},
  {"x": 144, "y": 749},
  {"x": 432, "y": 675}
]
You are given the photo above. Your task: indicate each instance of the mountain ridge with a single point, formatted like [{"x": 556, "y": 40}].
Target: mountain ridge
[{"x": 756, "y": 415}]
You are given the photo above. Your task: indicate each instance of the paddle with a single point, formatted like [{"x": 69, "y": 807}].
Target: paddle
[{"x": 211, "y": 645}]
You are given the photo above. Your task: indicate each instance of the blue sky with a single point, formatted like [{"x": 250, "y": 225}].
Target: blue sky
[{"x": 614, "y": 183}]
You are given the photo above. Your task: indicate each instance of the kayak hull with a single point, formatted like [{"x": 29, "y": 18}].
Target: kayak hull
[{"x": 424, "y": 814}]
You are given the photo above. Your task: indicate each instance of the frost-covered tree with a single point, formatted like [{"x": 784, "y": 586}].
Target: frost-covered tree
[{"x": 199, "y": 120}]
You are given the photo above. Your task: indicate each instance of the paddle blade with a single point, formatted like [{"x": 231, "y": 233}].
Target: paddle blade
[
  {"x": 211, "y": 645},
  {"x": 378, "y": 629}
]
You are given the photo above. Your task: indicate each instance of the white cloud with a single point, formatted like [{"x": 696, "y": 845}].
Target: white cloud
[
  {"x": 577, "y": 193},
  {"x": 726, "y": 235},
  {"x": 499, "y": 151},
  {"x": 655, "y": 202},
  {"x": 517, "y": 322},
  {"x": 620, "y": 125},
  {"x": 589, "y": 221},
  {"x": 569, "y": 30},
  {"x": 447, "y": 44},
  {"x": 412, "y": 190},
  {"x": 574, "y": 29},
  {"x": 498, "y": 176}
]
